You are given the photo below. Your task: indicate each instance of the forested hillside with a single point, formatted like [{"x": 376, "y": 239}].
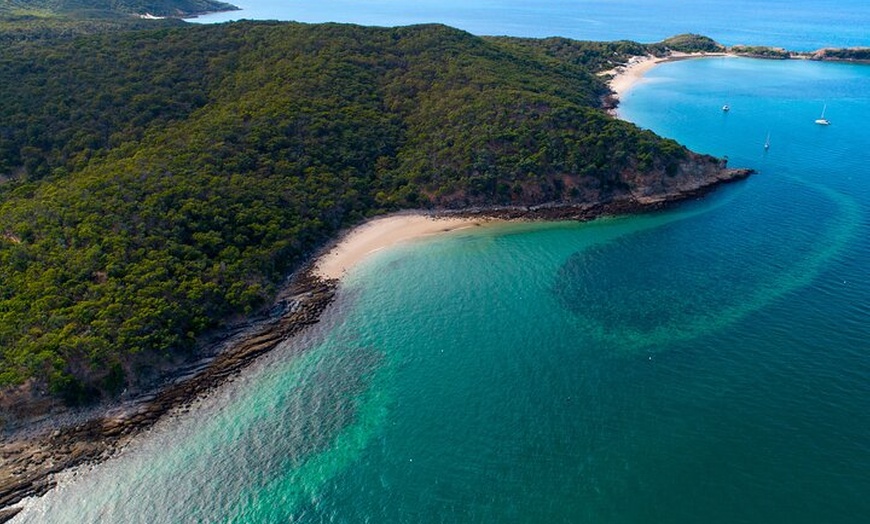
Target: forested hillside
[
  {"x": 154, "y": 183},
  {"x": 27, "y": 22}
]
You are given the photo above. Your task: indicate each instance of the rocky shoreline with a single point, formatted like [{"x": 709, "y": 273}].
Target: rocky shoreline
[
  {"x": 618, "y": 206},
  {"x": 28, "y": 464}
]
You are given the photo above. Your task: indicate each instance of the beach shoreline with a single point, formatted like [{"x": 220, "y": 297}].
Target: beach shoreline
[
  {"x": 624, "y": 78},
  {"x": 364, "y": 240}
]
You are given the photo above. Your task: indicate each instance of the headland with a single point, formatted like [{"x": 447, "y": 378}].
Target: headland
[{"x": 30, "y": 457}]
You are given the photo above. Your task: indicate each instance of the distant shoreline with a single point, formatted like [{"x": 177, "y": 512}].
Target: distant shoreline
[
  {"x": 625, "y": 77},
  {"x": 227, "y": 8}
]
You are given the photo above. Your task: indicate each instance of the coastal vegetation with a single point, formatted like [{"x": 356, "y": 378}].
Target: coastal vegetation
[
  {"x": 156, "y": 183},
  {"x": 691, "y": 43},
  {"x": 110, "y": 8},
  {"x": 849, "y": 54},
  {"x": 27, "y": 23},
  {"x": 760, "y": 51}
]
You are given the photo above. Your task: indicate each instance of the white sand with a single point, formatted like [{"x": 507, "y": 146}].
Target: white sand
[
  {"x": 626, "y": 77},
  {"x": 382, "y": 233}
]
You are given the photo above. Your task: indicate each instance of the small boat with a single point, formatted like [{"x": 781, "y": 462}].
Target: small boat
[
  {"x": 767, "y": 142},
  {"x": 726, "y": 108},
  {"x": 822, "y": 121}
]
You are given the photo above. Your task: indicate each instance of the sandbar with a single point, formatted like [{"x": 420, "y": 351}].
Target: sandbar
[{"x": 384, "y": 232}]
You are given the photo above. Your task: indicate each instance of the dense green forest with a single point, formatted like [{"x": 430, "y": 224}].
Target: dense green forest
[
  {"x": 691, "y": 43},
  {"x": 155, "y": 183}
]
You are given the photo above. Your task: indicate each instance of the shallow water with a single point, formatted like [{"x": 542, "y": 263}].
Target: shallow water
[{"x": 704, "y": 364}]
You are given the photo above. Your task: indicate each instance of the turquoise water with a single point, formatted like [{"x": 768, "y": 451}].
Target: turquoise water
[
  {"x": 795, "y": 24},
  {"x": 705, "y": 364}
]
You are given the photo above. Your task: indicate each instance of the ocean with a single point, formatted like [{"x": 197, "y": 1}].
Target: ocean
[
  {"x": 800, "y": 25},
  {"x": 708, "y": 363}
]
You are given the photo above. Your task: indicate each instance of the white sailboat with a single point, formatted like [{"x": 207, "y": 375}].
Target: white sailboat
[
  {"x": 767, "y": 142},
  {"x": 822, "y": 121}
]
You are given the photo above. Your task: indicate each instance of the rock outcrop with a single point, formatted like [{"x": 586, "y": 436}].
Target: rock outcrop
[{"x": 28, "y": 463}]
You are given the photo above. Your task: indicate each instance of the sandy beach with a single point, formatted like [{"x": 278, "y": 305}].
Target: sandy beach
[
  {"x": 626, "y": 77},
  {"x": 381, "y": 233}
]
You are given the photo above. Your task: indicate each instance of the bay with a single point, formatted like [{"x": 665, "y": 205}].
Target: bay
[{"x": 703, "y": 364}]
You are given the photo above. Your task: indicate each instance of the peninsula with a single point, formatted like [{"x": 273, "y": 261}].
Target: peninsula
[{"x": 157, "y": 187}]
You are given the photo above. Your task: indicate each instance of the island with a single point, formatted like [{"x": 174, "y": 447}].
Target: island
[{"x": 166, "y": 192}]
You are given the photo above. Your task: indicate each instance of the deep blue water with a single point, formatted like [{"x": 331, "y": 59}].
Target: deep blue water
[
  {"x": 704, "y": 364},
  {"x": 794, "y": 24}
]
